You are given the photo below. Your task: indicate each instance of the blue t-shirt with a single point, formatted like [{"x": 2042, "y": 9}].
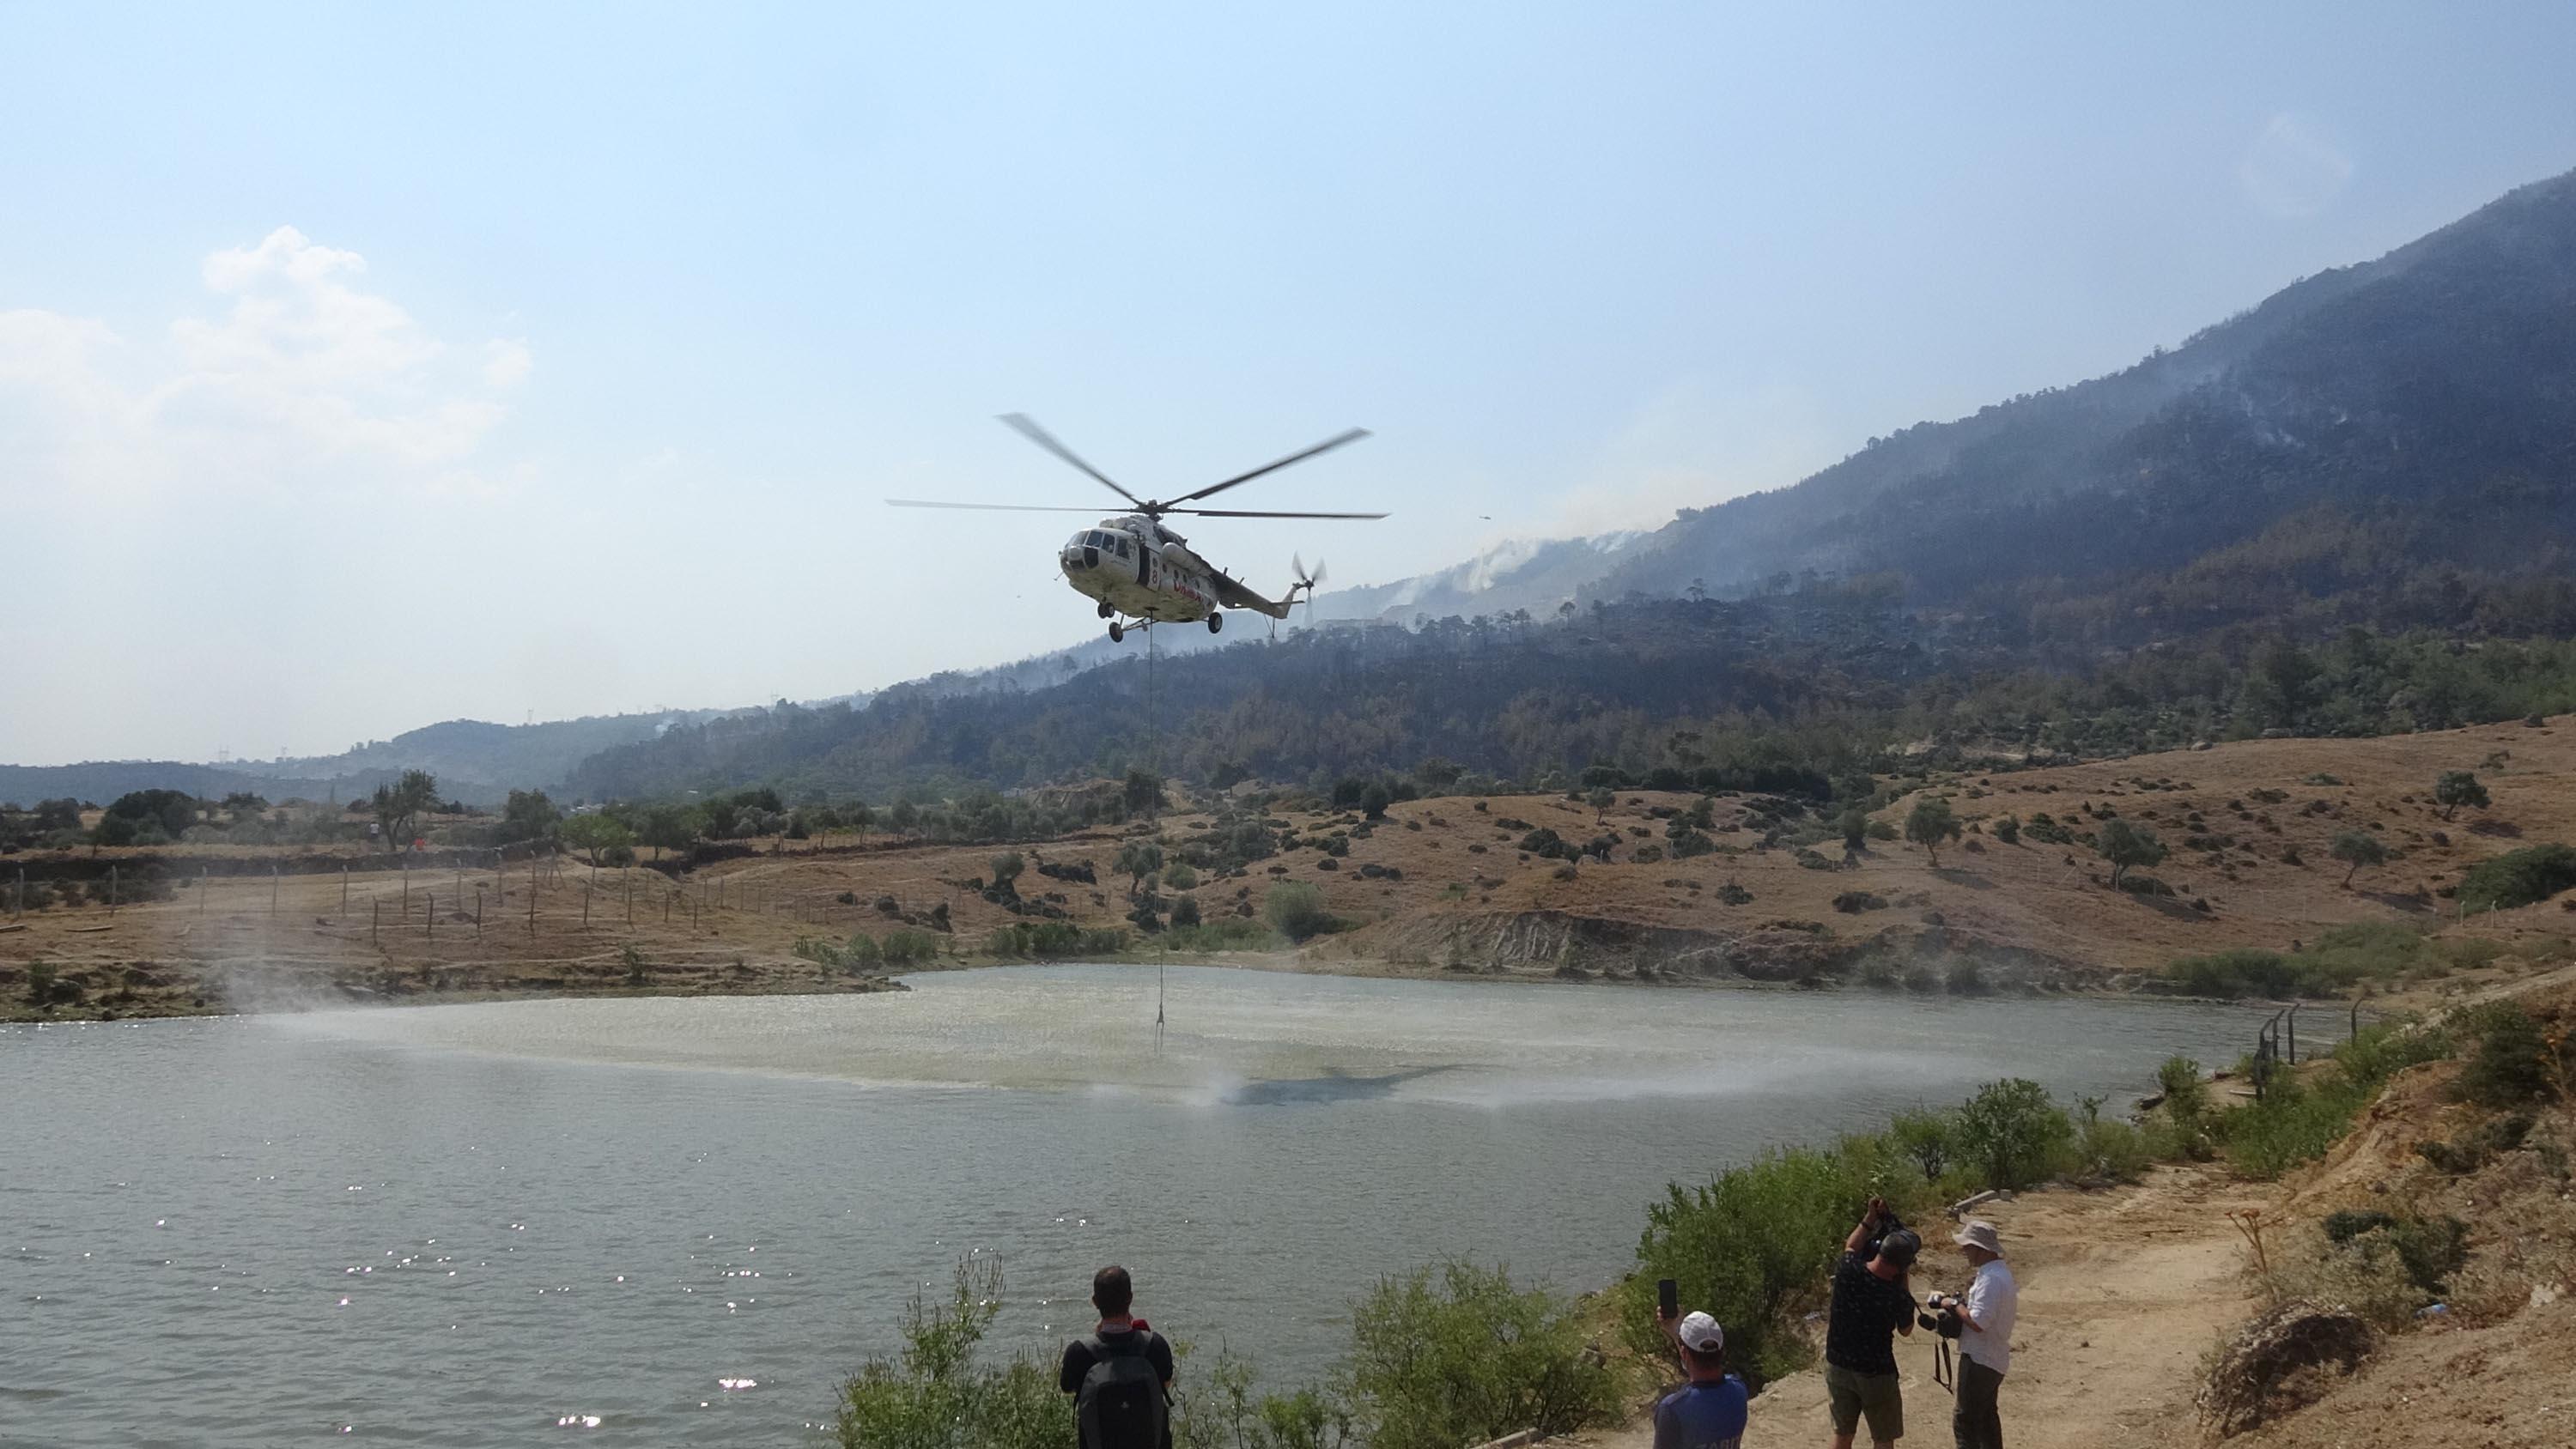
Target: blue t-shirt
[{"x": 1702, "y": 1416}]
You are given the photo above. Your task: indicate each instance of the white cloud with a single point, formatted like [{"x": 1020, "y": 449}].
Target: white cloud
[
  {"x": 2293, "y": 168},
  {"x": 302, "y": 383}
]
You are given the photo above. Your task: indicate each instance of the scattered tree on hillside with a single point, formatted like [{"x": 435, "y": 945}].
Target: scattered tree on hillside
[
  {"x": 1854, "y": 824},
  {"x": 1138, "y": 859},
  {"x": 399, "y": 805},
  {"x": 1006, "y": 872},
  {"x": 1601, "y": 799},
  {"x": 668, "y": 827},
  {"x": 2008, "y": 830},
  {"x": 1374, "y": 799},
  {"x": 2126, "y": 845},
  {"x": 2357, "y": 848},
  {"x": 1143, "y": 792},
  {"x": 1928, "y": 824},
  {"x": 2457, "y": 788},
  {"x": 529, "y": 815},
  {"x": 596, "y": 833}
]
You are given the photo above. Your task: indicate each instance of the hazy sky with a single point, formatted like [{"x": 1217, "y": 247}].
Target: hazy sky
[{"x": 363, "y": 366}]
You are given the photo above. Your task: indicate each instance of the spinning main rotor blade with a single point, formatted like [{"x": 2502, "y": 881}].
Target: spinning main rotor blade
[
  {"x": 990, "y": 507},
  {"x": 1250, "y": 513},
  {"x": 1026, "y": 428},
  {"x": 1326, "y": 446}
]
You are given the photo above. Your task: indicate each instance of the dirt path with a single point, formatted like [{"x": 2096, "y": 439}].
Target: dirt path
[{"x": 2122, "y": 1292}]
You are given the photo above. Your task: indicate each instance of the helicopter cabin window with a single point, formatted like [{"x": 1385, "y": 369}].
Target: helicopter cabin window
[{"x": 1121, "y": 540}]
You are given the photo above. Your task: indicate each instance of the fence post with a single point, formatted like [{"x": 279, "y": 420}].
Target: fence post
[
  {"x": 344, "y": 888},
  {"x": 478, "y": 910},
  {"x": 375, "y": 921},
  {"x": 272, "y": 890},
  {"x": 201, "y": 889},
  {"x": 2294, "y": 1034},
  {"x": 429, "y": 913},
  {"x": 585, "y": 905},
  {"x": 111, "y": 892}
]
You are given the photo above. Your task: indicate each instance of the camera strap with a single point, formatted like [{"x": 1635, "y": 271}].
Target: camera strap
[{"x": 1944, "y": 1372}]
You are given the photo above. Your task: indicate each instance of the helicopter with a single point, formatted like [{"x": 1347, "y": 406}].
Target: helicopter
[{"x": 1141, "y": 573}]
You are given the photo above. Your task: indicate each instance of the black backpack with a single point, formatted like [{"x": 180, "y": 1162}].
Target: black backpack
[{"x": 1120, "y": 1404}]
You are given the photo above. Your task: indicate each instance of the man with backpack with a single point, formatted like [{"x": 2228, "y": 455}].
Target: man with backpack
[{"x": 1120, "y": 1374}]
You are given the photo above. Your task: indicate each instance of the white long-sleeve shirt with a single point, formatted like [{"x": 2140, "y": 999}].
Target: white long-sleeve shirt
[{"x": 1994, "y": 1300}]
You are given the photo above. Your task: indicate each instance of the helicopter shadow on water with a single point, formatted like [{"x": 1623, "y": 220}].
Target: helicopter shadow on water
[{"x": 1335, "y": 1085}]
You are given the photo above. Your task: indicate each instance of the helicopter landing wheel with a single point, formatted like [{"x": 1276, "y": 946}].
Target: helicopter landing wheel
[
  {"x": 1117, "y": 632},
  {"x": 1105, "y": 610},
  {"x": 1215, "y": 622}
]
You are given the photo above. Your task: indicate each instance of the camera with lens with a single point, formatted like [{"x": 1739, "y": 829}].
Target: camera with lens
[
  {"x": 1882, "y": 1222},
  {"x": 1943, "y": 1317}
]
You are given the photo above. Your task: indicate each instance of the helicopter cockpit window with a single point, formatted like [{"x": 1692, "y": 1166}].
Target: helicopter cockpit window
[{"x": 1121, "y": 540}]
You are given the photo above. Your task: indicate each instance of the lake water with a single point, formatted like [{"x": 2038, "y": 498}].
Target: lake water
[{"x": 490, "y": 1224}]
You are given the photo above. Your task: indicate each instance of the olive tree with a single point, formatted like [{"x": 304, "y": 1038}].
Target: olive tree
[
  {"x": 2457, "y": 788},
  {"x": 1928, "y": 824},
  {"x": 2125, "y": 845},
  {"x": 2358, "y": 848}
]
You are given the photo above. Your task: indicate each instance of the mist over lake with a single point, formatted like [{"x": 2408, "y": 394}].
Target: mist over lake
[{"x": 459, "y": 1225}]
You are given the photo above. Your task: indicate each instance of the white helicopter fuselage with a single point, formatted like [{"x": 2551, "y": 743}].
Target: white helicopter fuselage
[{"x": 1135, "y": 567}]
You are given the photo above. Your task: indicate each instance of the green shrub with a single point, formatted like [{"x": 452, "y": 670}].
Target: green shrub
[
  {"x": 2518, "y": 878},
  {"x": 2110, "y": 1148},
  {"x": 2291, "y": 1124},
  {"x": 934, "y": 1396},
  {"x": 2341, "y": 959},
  {"x": 2508, "y": 1056},
  {"x": 1225, "y": 1413},
  {"x": 2013, "y": 1134},
  {"x": 2383, "y": 1049},
  {"x": 1924, "y": 1139},
  {"x": 1225, "y": 933},
  {"x": 1296, "y": 910},
  {"x": 2186, "y": 1092},
  {"x": 1457, "y": 1355},
  {"x": 1747, "y": 1247},
  {"x": 905, "y": 945}
]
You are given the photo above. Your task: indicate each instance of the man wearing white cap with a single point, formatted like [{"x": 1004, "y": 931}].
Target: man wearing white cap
[
  {"x": 1985, "y": 1339},
  {"x": 1709, "y": 1411}
]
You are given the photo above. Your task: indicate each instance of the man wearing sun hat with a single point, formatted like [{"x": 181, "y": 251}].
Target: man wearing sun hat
[
  {"x": 1709, "y": 1411},
  {"x": 1986, "y": 1317}
]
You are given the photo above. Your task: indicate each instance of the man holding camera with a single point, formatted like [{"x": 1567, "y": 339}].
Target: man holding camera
[
  {"x": 1872, "y": 1304},
  {"x": 1986, "y": 1317}
]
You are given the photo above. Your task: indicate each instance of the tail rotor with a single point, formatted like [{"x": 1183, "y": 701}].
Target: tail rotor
[{"x": 1306, "y": 583}]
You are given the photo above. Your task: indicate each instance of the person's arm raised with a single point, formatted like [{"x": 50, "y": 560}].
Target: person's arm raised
[{"x": 1860, "y": 1232}]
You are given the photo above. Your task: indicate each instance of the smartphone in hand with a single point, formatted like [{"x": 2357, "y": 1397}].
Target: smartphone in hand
[{"x": 1668, "y": 1297}]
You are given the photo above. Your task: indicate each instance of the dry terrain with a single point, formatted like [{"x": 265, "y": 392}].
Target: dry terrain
[{"x": 1438, "y": 887}]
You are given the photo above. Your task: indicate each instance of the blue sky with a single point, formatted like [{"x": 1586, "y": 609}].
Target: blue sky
[{"x": 362, "y": 366}]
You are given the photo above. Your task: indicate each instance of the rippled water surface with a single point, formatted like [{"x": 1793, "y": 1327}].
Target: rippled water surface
[{"x": 687, "y": 1219}]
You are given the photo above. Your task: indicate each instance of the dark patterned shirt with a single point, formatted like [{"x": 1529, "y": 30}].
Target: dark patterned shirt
[{"x": 1860, "y": 1333}]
